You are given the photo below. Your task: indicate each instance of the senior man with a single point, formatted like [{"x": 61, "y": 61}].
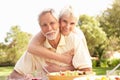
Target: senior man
[{"x": 55, "y": 41}]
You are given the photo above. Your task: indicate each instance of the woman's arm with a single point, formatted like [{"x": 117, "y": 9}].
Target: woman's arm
[{"x": 35, "y": 47}]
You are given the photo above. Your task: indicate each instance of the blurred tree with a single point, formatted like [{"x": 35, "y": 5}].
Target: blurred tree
[
  {"x": 95, "y": 36},
  {"x": 16, "y": 44},
  {"x": 110, "y": 22}
]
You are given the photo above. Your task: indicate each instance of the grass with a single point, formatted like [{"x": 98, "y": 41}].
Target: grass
[
  {"x": 101, "y": 71},
  {"x": 5, "y": 71}
]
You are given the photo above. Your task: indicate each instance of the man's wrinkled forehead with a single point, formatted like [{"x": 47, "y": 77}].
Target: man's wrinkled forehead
[{"x": 51, "y": 11}]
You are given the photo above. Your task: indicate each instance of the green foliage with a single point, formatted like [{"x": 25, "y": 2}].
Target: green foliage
[
  {"x": 110, "y": 19},
  {"x": 103, "y": 63},
  {"x": 106, "y": 62},
  {"x": 93, "y": 33},
  {"x": 113, "y": 62},
  {"x": 110, "y": 22},
  {"x": 113, "y": 43},
  {"x": 16, "y": 44},
  {"x": 94, "y": 63}
]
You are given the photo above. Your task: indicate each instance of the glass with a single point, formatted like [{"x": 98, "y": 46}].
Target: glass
[
  {"x": 113, "y": 75},
  {"x": 114, "y": 71}
]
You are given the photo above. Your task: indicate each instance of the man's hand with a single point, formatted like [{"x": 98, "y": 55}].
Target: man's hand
[{"x": 56, "y": 68}]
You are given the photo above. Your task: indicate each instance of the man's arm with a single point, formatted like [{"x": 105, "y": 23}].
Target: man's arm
[
  {"x": 15, "y": 75},
  {"x": 52, "y": 67},
  {"x": 35, "y": 47}
]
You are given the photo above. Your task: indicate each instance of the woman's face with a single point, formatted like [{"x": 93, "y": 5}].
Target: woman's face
[{"x": 67, "y": 24}]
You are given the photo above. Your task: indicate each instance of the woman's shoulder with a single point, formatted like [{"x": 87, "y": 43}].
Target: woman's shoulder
[{"x": 77, "y": 31}]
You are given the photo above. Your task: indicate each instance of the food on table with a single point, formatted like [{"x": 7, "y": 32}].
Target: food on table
[
  {"x": 67, "y": 75},
  {"x": 98, "y": 78},
  {"x": 71, "y": 73},
  {"x": 79, "y": 75}
]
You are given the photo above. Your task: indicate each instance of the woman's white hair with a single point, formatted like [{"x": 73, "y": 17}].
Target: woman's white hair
[{"x": 68, "y": 11}]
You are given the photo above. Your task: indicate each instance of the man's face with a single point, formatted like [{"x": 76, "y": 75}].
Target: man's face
[
  {"x": 67, "y": 24},
  {"x": 49, "y": 26}
]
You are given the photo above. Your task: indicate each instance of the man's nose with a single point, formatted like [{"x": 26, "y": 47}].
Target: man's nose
[{"x": 49, "y": 27}]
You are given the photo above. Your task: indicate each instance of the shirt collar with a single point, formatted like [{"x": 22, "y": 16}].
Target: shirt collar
[{"x": 61, "y": 43}]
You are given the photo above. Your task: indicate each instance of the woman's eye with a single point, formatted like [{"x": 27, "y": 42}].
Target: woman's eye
[{"x": 72, "y": 23}]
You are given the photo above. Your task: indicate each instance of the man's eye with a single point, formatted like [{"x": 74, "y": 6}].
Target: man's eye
[
  {"x": 64, "y": 21},
  {"x": 44, "y": 25},
  {"x": 52, "y": 23}
]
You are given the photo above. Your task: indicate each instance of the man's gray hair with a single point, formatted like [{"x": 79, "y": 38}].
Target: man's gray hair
[{"x": 51, "y": 11}]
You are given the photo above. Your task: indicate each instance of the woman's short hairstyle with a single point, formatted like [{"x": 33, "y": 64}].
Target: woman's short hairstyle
[{"x": 68, "y": 11}]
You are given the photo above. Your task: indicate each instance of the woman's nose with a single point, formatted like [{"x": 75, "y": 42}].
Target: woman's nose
[{"x": 68, "y": 26}]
